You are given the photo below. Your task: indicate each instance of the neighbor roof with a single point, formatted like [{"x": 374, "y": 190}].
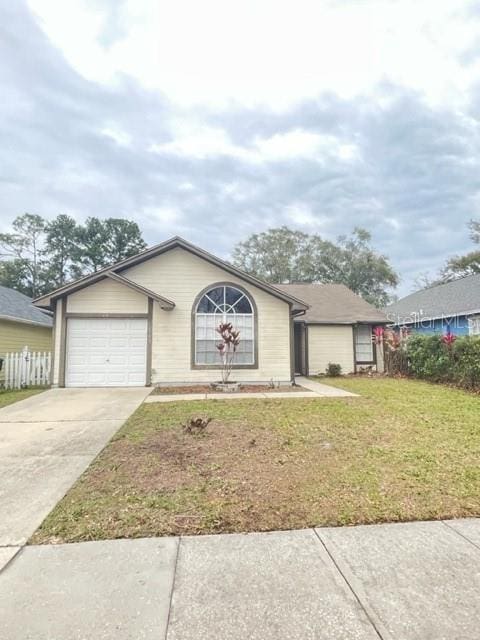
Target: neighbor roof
[
  {"x": 457, "y": 298},
  {"x": 176, "y": 241},
  {"x": 16, "y": 306},
  {"x": 333, "y": 304}
]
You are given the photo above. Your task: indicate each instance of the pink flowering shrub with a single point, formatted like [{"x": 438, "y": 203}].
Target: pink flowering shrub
[{"x": 227, "y": 347}]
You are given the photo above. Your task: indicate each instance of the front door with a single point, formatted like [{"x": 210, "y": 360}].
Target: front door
[{"x": 299, "y": 334}]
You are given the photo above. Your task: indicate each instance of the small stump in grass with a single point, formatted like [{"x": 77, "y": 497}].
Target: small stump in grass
[{"x": 196, "y": 426}]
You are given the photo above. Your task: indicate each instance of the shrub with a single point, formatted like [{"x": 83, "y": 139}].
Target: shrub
[
  {"x": 466, "y": 356},
  {"x": 429, "y": 358},
  {"x": 445, "y": 359},
  {"x": 333, "y": 370}
]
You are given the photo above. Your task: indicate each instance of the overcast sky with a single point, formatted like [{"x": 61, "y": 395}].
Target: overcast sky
[{"x": 215, "y": 119}]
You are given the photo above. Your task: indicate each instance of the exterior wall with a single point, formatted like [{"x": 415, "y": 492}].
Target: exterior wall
[
  {"x": 181, "y": 276},
  {"x": 330, "y": 343},
  {"x": 16, "y": 335},
  {"x": 107, "y": 296},
  {"x": 456, "y": 324}
]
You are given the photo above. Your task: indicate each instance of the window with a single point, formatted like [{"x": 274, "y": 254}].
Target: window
[
  {"x": 474, "y": 326},
  {"x": 224, "y": 304},
  {"x": 364, "y": 343}
]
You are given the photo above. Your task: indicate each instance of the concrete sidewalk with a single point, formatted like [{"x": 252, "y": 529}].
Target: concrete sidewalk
[
  {"x": 46, "y": 442},
  {"x": 311, "y": 389},
  {"x": 415, "y": 581}
]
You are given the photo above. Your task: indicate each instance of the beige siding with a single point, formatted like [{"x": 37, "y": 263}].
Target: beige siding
[
  {"x": 330, "y": 343},
  {"x": 16, "y": 335},
  {"x": 181, "y": 276},
  {"x": 107, "y": 296}
]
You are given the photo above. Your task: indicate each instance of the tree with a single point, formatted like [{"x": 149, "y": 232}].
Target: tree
[
  {"x": 24, "y": 248},
  {"x": 467, "y": 265},
  {"x": 14, "y": 274},
  {"x": 364, "y": 270},
  {"x": 425, "y": 281},
  {"x": 100, "y": 243},
  {"x": 60, "y": 246},
  {"x": 40, "y": 255},
  {"x": 89, "y": 252},
  {"x": 283, "y": 255},
  {"x": 124, "y": 239},
  {"x": 277, "y": 255}
]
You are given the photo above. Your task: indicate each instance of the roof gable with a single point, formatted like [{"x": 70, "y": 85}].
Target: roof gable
[
  {"x": 334, "y": 304},
  {"x": 46, "y": 301}
]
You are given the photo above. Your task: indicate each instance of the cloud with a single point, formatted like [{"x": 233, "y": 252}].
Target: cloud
[
  {"x": 266, "y": 52},
  {"x": 201, "y": 142},
  {"x": 386, "y": 154}
]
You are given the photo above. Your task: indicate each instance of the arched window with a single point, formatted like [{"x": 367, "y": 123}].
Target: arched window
[{"x": 224, "y": 303}]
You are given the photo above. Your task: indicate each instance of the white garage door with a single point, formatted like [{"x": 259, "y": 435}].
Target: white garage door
[{"x": 106, "y": 352}]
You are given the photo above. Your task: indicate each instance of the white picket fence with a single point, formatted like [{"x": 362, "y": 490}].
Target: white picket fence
[{"x": 27, "y": 369}]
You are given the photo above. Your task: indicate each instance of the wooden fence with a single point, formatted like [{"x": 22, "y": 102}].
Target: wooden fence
[{"x": 27, "y": 369}]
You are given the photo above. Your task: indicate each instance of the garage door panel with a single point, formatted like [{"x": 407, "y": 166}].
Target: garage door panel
[
  {"x": 119, "y": 344},
  {"x": 136, "y": 380},
  {"x": 106, "y": 352},
  {"x": 123, "y": 360},
  {"x": 119, "y": 324},
  {"x": 77, "y": 340},
  {"x": 136, "y": 343},
  {"x": 94, "y": 359}
]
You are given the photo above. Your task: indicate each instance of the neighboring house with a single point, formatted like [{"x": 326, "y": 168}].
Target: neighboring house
[
  {"x": 451, "y": 307},
  {"x": 151, "y": 319},
  {"x": 22, "y": 324},
  {"x": 337, "y": 327}
]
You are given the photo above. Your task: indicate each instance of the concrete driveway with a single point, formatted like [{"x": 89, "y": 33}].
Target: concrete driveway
[
  {"x": 46, "y": 442},
  {"x": 415, "y": 581}
]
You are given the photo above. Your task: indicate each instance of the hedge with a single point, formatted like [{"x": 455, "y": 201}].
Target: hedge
[{"x": 434, "y": 358}]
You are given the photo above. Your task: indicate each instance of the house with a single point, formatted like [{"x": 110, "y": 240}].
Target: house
[
  {"x": 22, "y": 324},
  {"x": 337, "y": 327},
  {"x": 152, "y": 318},
  {"x": 452, "y": 307}
]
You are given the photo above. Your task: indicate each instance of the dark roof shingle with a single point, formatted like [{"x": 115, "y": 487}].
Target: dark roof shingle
[
  {"x": 460, "y": 297},
  {"x": 16, "y": 306},
  {"x": 333, "y": 304}
]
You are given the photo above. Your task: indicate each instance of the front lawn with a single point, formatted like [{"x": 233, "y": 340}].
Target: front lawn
[
  {"x": 11, "y": 396},
  {"x": 404, "y": 450}
]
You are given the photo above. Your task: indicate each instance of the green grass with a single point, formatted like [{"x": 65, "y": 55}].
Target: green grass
[
  {"x": 404, "y": 450},
  {"x": 9, "y": 397}
]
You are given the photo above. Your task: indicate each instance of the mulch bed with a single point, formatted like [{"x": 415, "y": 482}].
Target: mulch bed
[{"x": 206, "y": 388}]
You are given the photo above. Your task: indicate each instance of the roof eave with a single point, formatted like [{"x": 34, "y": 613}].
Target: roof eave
[
  {"x": 164, "y": 303},
  {"x": 47, "y": 300},
  {"x": 346, "y": 322},
  {"x": 25, "y": 321},
  {"x": 457, "y": 314}
]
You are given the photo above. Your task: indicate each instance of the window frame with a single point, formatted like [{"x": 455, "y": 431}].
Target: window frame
[
  {"x": 474, "y": 325},
  {"x": 248, "y": 295},
  {"x": 355, "y": 342}
]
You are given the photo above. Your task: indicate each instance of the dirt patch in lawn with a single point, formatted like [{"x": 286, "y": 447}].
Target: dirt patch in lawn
[
  {"x": 404, "y": 450},
  {"x": 230, "y": 463},
  {"x": 244, "y": 388}
]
